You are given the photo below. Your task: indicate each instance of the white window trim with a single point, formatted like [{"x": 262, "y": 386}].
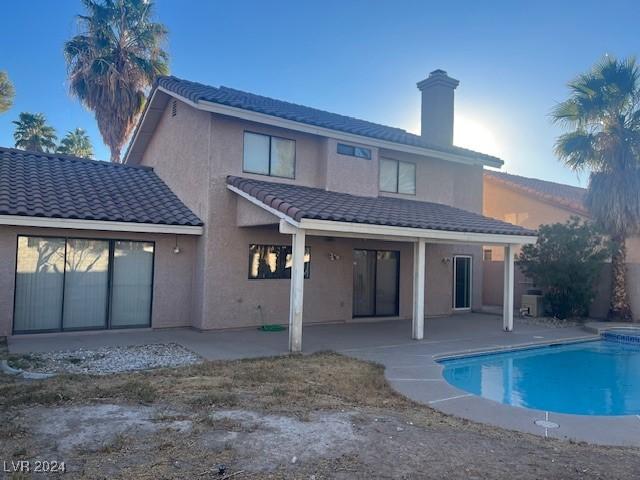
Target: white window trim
[{"x": 453, "y": 298}]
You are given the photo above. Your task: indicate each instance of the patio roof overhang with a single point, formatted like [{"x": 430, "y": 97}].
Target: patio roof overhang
[
  {"x": 409, "y": 221},
  {"x": 292, "y": 216}
]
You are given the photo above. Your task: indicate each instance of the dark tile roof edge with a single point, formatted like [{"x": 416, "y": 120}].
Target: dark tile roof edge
[
  {"x": 167, "y": 83},
  {"x": 511, "y": 180},
  {"x": 128, "y": 222},
  {"x": 12, "y": 155},
  {"x": 61, "y": 156},
  {"x": 262, "y": 194}
]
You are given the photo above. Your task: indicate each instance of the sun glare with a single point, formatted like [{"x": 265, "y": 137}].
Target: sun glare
[{"x": 470, "y": 133}]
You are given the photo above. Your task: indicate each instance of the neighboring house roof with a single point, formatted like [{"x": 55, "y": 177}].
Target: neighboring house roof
[
  {"x": 299, "y": 202},
  {"x": 36, "y": 184},
  {"x": 196, "y": 93},
  {"x": 565, "y": 196}
]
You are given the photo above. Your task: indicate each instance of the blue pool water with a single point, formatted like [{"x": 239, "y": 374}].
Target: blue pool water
[{"x": 600, "y": 377}]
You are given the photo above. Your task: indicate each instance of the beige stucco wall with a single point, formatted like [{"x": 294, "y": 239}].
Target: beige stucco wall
[
  {"x": 173, "y": 273},
  {"x": 440, "y": 181},
  {"x": 194, "y": 152},
  {"x": 348, "y": 174},
  {"x": 509, "y": 205},
  {"x": 179, "y": 153}
]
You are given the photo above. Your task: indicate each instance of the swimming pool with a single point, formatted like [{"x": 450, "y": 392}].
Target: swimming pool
[{"x": 600, "y": 377}]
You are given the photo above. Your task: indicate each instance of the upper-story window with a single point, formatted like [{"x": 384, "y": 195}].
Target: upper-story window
[
  {"x": 268, "y": 155},
  {"x": 352, "y": 150},
  {"x": 397, "y": 176}
]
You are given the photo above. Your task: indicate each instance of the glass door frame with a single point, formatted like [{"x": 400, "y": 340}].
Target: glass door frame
[
  {"x": 107, "y": 326},
  {"x": 375, "y": 285},
  {"x": 453, "y": 303}
]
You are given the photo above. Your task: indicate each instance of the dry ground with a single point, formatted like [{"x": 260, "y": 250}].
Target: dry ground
[{"x": 319, "y": 416}]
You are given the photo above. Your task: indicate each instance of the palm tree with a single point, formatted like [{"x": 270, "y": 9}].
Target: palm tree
[
  {"x": 33, "y": 133},
  {"x": 6, "y": 92},
  {"x": 603, "y": 113},
  {"x": 113, "y": 62},
  {"x": 77, "y": 143}
]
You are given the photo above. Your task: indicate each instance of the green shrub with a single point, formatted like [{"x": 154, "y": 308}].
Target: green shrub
[{"x": 565, "y": 263}]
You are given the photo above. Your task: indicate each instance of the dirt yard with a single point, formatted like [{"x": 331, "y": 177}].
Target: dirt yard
[{"x": 315, "y": 417}]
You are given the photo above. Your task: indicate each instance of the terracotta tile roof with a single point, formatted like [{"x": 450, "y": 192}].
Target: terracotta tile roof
[
  {"x": 563, "y": 195},
  {"x": 197, "y": 92},
  {"x": 59, "y": 186},
  {"x": 300, "y": 202}
]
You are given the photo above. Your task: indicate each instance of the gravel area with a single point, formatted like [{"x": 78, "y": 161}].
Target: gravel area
[{"x": 107, "y": 360}]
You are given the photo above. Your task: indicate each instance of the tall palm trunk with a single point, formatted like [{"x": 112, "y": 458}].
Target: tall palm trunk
[
  {"x": 619, "y": 309},
  {"x": 115, "y": 155}
]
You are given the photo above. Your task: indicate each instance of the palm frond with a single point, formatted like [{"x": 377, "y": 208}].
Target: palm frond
[
  {"x": 113, "y": 62},
  {"x": 577, "y": 149},
  {"x": 7, "y": 92},
  {"x": 33, "y": 133}
]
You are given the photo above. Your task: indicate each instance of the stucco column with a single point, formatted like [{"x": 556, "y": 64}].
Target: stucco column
[
  {"x": 507, "y": 303},
  {"x": 297, "y": 291},
  {"x": 419, "y": 272}
]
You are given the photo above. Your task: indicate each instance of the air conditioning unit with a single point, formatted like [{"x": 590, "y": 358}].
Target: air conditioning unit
[{"x": 532, "y": 305}]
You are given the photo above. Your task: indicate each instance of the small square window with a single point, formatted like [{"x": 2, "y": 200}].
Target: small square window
[{"x": 397, "y": 176}]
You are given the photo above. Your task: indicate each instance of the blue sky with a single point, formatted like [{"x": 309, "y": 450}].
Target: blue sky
[{"x": 360, "y": 58}]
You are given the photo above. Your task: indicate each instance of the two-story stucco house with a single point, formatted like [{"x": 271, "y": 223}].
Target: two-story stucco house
[{"x": 311, "y": 216}]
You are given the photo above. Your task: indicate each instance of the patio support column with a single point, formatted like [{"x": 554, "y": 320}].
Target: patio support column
[
  {"x": 419, "y": 271},
  {"x": 297, "y": 290},
  {"x": 507, "y": 303}
]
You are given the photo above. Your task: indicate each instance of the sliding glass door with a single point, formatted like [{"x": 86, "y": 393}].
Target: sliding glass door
[
  {"x": 86, "y": 279},
  {"x": 39, "y": 284},
  {"x": 375, "y": 283},
  {"x": 462, "y": 282},
  {"x": 131, "y": 284},
  {"x": 82, "y": 284}
]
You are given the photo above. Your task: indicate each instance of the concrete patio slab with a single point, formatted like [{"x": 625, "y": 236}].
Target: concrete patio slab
[{"x": 411, "y": 366}]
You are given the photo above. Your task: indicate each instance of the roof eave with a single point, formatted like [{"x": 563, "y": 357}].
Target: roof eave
[
  {"x": 322, "y": 131},
  {"x": 151, "y": 108},
  {"x": 542, "y": 197},
  {"x": 103, "y": 225},
  {"x": 385, "y": 232}
]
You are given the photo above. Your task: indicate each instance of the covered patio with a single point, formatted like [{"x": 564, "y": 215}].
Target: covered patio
[{"x": 304, "y": 212}]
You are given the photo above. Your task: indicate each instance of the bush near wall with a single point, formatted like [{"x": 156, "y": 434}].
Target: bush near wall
[{"x": 565, "y": 263}]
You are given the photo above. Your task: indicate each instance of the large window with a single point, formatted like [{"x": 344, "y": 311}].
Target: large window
[
  {"x": 82, "y": 284},
  {"x": 274, "y": 261},
  {"x": 397, "y": 176},
  {"x": 267, "y": 155}
]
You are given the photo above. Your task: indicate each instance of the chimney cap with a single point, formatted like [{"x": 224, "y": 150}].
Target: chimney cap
[{"x": 438, "y": 77}]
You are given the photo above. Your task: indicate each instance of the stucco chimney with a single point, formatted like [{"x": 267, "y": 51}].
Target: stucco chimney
[{"x": 437, "y": 107}]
